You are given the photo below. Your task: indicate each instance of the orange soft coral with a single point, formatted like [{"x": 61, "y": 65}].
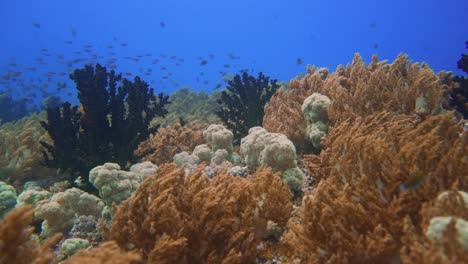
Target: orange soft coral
[
  {"x": 355, "y": 215},
  {"x": 162, "y": 147},
  {"x": 359, "y": 90},
  {"x": 192, "y": 218},
  {"x": 17, "y": 244}
]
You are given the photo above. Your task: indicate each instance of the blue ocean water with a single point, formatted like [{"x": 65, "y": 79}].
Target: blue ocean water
[{"x": 174, "y": 44}]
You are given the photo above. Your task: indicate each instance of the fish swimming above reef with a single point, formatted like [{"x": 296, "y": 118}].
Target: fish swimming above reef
[
  {"x": 73, "y": 31},
  {"x": 299, "y": 61},
  {"x": 203, "y": 62}
]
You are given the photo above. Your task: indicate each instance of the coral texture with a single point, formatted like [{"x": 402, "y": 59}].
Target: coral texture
[
  {"x": 17, "y": 244},
  {"x": 241, "y": 106},
  {"x": 358, "y": 90},
  {"x": 107, "y": 252},
  {"x": 60, "y": 211},
  {"x": 173, "y": 218},
  {"x": 20, "y": 151},
  {"x": 161, "y": 147},
  {"x": 443, "y": 245},
  {"x": 116, "y": 185},
  {"x": 355, "y": 215}
]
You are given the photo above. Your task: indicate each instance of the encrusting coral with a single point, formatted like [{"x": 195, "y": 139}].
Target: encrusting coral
[
  {"x": 17, "y": 244},
  {"x": 174, "y": 218}
]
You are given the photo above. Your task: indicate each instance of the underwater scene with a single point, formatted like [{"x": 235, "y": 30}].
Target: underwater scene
[{"x": 267, "y": 132}]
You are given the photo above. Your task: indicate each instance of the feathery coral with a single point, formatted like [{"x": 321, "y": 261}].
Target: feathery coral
[
  {"x": 16, "y": 244},
  {"x": 359, "y": 90},
  {"x": 161, "y": 147},
  {"x": 194, "y": 219},
  {"x": 355, "y": 213}
]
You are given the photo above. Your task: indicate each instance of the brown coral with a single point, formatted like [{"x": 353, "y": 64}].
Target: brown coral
[
  {"x": 359, "y": 90},
  {"x": 16, "y": 243},
  {"x": 419, "y": 248},
  {"x": 168, "y": 141},
  {"x": 355, "y": 213},
  {"x": 192, "y": 218},
  {"x": 107, "y": 252}
]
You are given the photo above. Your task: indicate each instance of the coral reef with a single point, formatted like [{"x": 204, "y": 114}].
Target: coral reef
[
  {"x": 60, "y": 211},
  {"x": 442, "y": 237},
  {"x": 458, "y": 98},
  {"x": 107, "y": 252},
  {"x": 20, "y": 152},
  {"x": 161, "y": 147},
  {"x": 191, "y": 106},
  {"x": 355, "y": 214},
  {"x": 111, "y": 122},
  {"x": 174, "y": 218},
  {"x": 17, "y": 244},
  {"x": 241, "y": 106},
  {"x": 116, "y": 185},
  {"x": 261, "y": 148},
  {"x": 314, "y": 109},
  {"x": 7, "y": 198},
  {"x": 217, "y": 152},
  {"x": 358, "y": 90}
]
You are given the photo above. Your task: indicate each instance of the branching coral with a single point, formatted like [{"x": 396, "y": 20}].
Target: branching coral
[
  {"x": 16, "y": 243},
  {"x": 242, "y": 104},
  {"x": 161, "y": 147},
  {"x": 359, "y": 90},
  {"x": 355, "y": 213},
  {"x": 110, "y": 124},
  {"x": 191, "y": 219}
]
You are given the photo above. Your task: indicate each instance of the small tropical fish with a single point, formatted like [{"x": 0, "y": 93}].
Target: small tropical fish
[
  {"x": 413, "y": 182},
  {"x": 233, "y": 56},
  {"x": 79, "y": 181},
  {"x": 73, "y": 31},
  {"x": 162, "y": 24},
  {"x": 217, "y": 86},
  {"x": 36, "y": 25},
  {"x": 203, "y": 62},
  {"x": 299, "y": 61}
]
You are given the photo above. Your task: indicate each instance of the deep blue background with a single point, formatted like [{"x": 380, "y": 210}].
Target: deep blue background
[{"x": 268, "y": 36}]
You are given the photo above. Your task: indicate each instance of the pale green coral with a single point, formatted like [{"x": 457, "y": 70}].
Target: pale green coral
[
  {"x": 438, "y": 225},
  {"x": 116, "y": 185},
  {"x": 60, "y": 211},
  {"x": 7, "y": 198},
  {"x": 72, "y": 245},
  {"x": 314, "y": 109}
]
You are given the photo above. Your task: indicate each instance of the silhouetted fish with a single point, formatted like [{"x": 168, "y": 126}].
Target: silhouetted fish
[
  {"x": 36, "y": 25},
  {"x": 203, "y": 62},
  {"x": 162, "y": 24}
]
